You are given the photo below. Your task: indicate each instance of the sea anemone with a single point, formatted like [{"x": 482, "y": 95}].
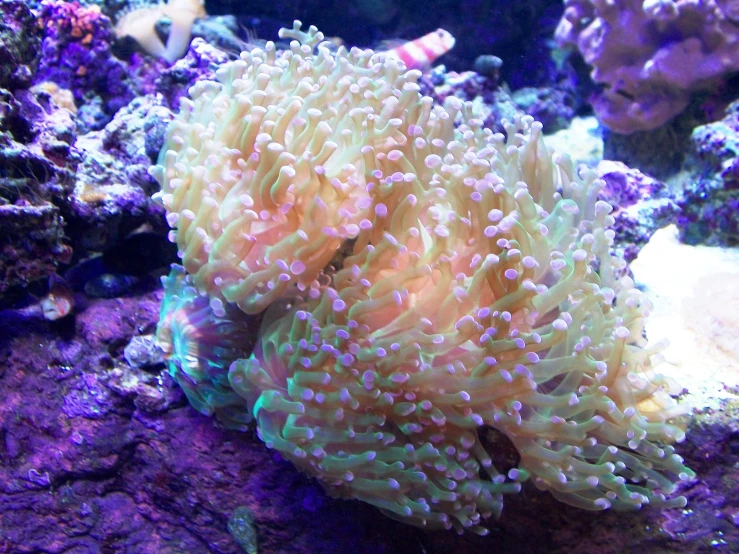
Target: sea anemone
[{"x": 424, "y": 279}]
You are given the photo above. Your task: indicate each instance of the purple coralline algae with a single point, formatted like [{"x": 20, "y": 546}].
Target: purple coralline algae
[
  {"x": 19, "y": 44},
  {"x": 79, "y": 191},
  {"x": 76, "y": 55},
  {"x": 36, "y": 170},
  {"x": 493, "y": 102},
  {"x": 651, "y": 55},
  {"x": 100, "y": 450},
  {"x": 641, "y": 203},
  {"x": 710, "y": 204},
  {"x": 553, "y": 106},
  {"x": 112, "y": 188},
  {"x": 143, "y": 351},
  {"x": 199, "y": 63},
  {"x": 63, "y": 187},
  {"x": 97, "y": 455},
  {"x": 31, "y": 243}
]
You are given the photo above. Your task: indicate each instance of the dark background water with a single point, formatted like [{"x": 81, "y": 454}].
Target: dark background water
[{"x": 520, "y": 33}]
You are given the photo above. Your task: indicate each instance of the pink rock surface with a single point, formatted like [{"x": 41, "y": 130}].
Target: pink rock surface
[
  {"x": 651, "y": 55},
  {"x": 97, "y": 456}
]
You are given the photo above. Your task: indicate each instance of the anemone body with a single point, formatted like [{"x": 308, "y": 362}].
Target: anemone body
[{"x": 424, "y": 279}]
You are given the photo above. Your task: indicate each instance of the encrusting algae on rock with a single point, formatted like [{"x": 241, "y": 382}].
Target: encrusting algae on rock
[{"x": 478, "y": 291}]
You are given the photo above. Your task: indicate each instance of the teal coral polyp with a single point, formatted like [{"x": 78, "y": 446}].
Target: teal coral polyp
[
  {"x": 201, "y": 338},
  {"x": 424, "y": 279}
]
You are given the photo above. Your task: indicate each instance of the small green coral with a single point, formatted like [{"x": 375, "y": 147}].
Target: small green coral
[{"x": 201, "y": 338}]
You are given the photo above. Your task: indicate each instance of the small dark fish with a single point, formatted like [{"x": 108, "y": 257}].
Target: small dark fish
[{"x": 110, "y": 285}]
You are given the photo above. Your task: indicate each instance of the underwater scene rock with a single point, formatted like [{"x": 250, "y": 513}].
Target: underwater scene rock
[{"x": 451, "y": 277}]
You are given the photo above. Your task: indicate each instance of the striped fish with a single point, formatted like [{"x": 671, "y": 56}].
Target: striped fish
[{"x": 422, "y": 52}]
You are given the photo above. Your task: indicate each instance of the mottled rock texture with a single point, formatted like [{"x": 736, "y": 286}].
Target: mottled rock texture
[{"x": 96, "y": 456}]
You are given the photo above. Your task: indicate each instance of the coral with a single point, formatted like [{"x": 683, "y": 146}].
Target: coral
[
  {"x": 62, "y": 97},
  {"x": 198, "y": 64},
  {"x": 492, "y": 101},
  {"x": 31, "y": 243},
  {"x": 36, "y": 164},
  {"x": 201, "y": 338},
  {"x": 650, "y": 55},
  {"x": 582, "y": 140},
  {"x": 554, "y": 107},
  {"x": 110, "y": 195},
  {"x": 710, "y": 203},
  {"x": 148, "y": 474},
  {"x": 641, "y": 203},
  {"x": 19, "y": 44},
  {"x": 76, "y": 55},
  {"x": 424, "y": 279}
]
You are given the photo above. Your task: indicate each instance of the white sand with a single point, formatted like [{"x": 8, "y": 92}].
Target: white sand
[{"x": 700, "y": 360}]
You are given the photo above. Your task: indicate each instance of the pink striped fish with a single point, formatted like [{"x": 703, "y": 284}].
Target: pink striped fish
[{"x": 422, "y": 52}]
